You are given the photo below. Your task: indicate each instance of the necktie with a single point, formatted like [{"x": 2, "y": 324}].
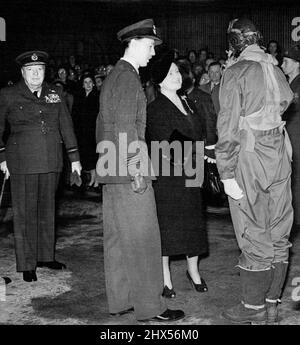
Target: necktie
[{"x": 36, "y": 94}]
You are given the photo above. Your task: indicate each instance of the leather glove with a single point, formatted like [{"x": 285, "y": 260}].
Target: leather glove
[
  {"x": 75, "y": 179},
  {"x": 232, "y": 189}
]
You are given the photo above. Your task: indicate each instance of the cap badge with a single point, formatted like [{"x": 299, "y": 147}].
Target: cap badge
[
  {"x": 154, "y": 29},
  {"x": 34, "y": 57}
]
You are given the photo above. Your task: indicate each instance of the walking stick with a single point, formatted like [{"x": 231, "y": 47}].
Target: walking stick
[{"x": 2, "y": 190}]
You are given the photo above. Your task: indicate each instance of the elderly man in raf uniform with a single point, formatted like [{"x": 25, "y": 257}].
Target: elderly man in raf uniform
[
  {"x": 132, "y": 248},
  {"x": 32, "y": 156}
]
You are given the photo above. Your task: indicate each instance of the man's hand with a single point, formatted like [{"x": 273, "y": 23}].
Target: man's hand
[
  {"x": 232, "y": 189},
  {"x": 4, "y": 169},
  {"x": 138, "y": 184},
  {"x": 76, "y": 166},
  {"x": 93, "y": 182}
]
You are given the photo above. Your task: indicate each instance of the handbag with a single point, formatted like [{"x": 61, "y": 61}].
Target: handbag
[{"x": 212, "y": 184}]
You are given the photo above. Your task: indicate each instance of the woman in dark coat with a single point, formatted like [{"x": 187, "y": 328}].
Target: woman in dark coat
[
  {"x": 179, "y": 208},
  {"x": 85, "y": 112}
]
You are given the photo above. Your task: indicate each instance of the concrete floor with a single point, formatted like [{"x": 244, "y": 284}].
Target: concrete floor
[{"x": 76, "y": 296}]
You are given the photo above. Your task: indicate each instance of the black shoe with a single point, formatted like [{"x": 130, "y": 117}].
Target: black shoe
[
  {"x": 168, "y": 315},
  {"x": 123, "y": 312},
  {"x": 168, "y": 293},
  {"x": 6, "y": 280},
  {"x": 198, "y": 287},
  {"x": 54, "y": 265},
  {"x": 29, "y": 276}
]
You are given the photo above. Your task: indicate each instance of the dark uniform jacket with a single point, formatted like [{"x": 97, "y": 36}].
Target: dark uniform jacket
[
  {"x": 165, "y": 122},
  {"x": 122, "y": 111},
  {"x": 38, "y": 127},
  {"x": 206, "y": 110},
  {"x": 214, "y": 92}
]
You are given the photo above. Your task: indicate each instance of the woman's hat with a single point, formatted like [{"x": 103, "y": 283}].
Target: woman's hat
[
  {"x": 162, "y": 66},
  {"x": 293, "y": 53}
]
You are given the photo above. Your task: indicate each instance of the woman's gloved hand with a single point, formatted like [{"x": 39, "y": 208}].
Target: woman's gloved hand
[{"x": 209, "y": 154}]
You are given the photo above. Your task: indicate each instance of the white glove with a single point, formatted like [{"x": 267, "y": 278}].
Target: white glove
[
  {"x": 232, "y": 189},
  {"x": 76, "y": 166},
  {"x": 210, "y": 159},
  {"x": 4, "y": 169}
]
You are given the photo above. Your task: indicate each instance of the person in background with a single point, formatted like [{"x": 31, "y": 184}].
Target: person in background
[
  {"x": 68, "y": 97},
  {"x": 192, "y": 57},
  {"x": 176, "y": 54},
  {"x": 274, "y": 49},
  {"x": 203, "y": 55},
  {"x": 291, "y": 68},
  {"x": 72, "y": 61},
  {"x": 253, "y": 155},
  {"x": 78, "y": 71},
  {"x": 72, "y": 82},
  {"x": 62, "y": 74},
  {"x": 204, "y": 105},
  {"x": 213, "y": 86},
  {"x": 222, "y": 62},
  {"x": 204, "y": 79},
  {"x": 197, "y": 72},
  {"x": 99, "y": 81},
  {"x": 85, "y": 112},
  {"x": 32, "y": 157},
  {"x": 108, "y": 69},
  {"x": 208, "y": 62},
  {"x": 179, "y": 208},
  {"x": 132, "y": 248}
]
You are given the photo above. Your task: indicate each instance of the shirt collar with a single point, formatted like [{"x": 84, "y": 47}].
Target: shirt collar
[{"x": 131, "y": 62}]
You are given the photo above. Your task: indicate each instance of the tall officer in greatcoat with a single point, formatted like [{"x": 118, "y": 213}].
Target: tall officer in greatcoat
[
  {"x": 39, "y": 123},
  {"x": 132, "y": 248}
]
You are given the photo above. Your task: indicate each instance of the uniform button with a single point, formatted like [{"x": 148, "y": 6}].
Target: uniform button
[
  {"x": 43, "y": 122},
  {"x": 40, "y": 111}
]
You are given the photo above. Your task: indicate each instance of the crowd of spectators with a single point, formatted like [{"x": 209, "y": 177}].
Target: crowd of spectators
[{"x": 201, "y": 70}]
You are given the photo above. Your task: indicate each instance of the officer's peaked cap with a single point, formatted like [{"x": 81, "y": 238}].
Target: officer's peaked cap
[
  {"x": 34, "y": 57},
  {"x": 143, "y": 29}
]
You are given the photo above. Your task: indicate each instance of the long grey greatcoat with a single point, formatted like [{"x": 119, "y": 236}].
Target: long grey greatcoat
[
  {"x": 132, "y": 248},
  {"x": 122, "y": 110}
]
